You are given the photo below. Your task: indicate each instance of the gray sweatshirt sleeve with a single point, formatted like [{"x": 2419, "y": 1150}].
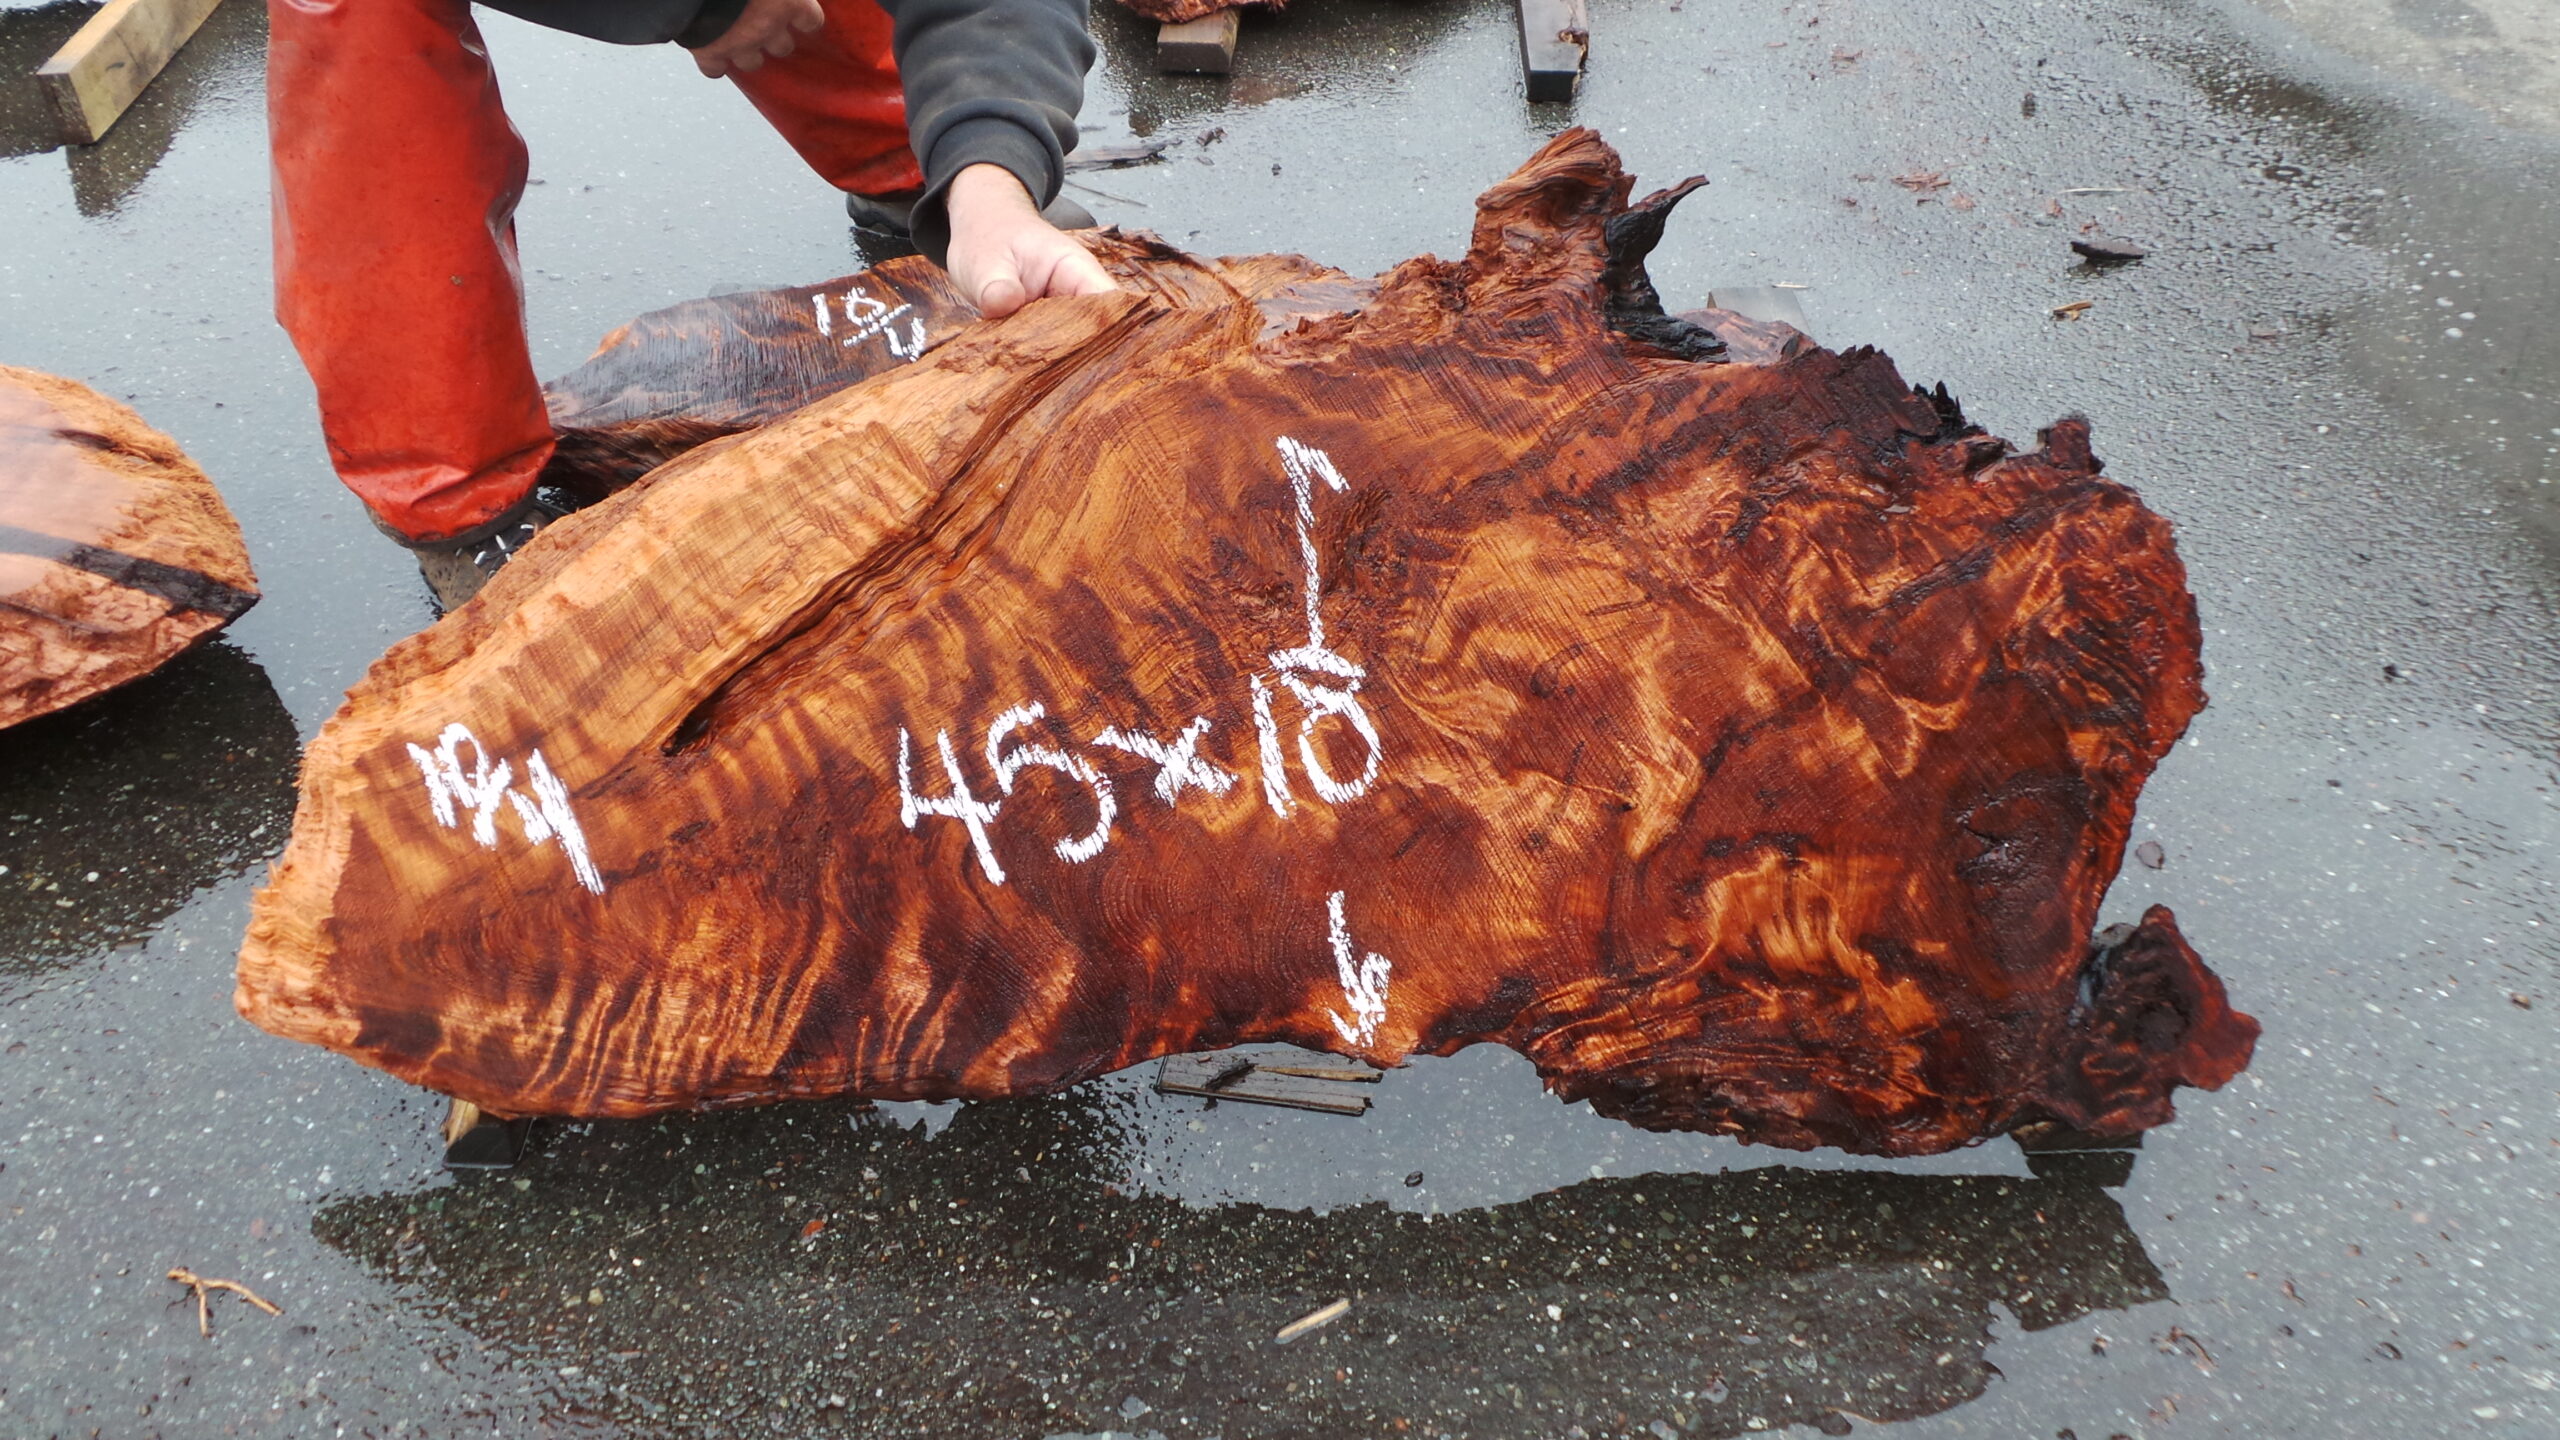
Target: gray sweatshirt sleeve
[
  {"x": 630, "y": 22},
  {"x": 989, "y": 81}
]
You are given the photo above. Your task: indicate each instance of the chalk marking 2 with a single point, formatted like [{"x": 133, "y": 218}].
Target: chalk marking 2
[
  {"x": 1364, "y": 980},
  {"x": 1323, "y": 700}
]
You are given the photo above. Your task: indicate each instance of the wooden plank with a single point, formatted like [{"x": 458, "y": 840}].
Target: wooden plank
[
  {"x": 1325, "y": 1072},
  {"x": 95, "y": 77},
  {"x": 1555, "y": 39},
  {"x": 1214, "y": 1076},
  {"x": 1206, "y": 46},
  {"x": 474, "y": 1139}
]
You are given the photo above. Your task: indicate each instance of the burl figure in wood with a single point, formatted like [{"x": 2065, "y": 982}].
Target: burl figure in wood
[
  {"x": 1476, "y": 654},
  {"x": 116, "y": 554},
  {"x": 1180, "y": 12}
]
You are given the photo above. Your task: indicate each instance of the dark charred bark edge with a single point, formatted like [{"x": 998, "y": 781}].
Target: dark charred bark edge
[
  {"x": 2148, "y": 1017},
  {"x": 174, "y": 585},
  {"x": 1634, "y": 307}
]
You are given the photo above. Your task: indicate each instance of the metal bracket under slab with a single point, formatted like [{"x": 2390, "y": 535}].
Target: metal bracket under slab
[{"x": 1330, "y": 1086}]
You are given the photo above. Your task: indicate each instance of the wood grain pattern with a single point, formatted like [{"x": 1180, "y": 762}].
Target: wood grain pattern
[
  {"x": 691, "y": 373},
  {"x": 116, "y": 554},
  {"x": 1261, "y": 655},
  {"x": 1183, "y": 12}
]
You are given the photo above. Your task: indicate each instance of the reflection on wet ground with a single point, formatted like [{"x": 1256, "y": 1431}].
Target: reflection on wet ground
[
  {"x": 747, "y": 1270},
  {"x": 103, "y": 175},
  {"x": 114, "y": 812},
  {"x": 28, "y": 36}
]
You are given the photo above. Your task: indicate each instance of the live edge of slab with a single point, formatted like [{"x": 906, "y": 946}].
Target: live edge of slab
[
  {"x": 1206, "y": 46},
  {"x": 1555, "y": 38}
]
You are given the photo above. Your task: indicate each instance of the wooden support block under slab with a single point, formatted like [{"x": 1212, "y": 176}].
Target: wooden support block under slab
[
  {"x": 1225, "y": 1075},
  {"x": 98, "y": 73},
  {"x": 1206, "y": 46},
  {"x": 1555, "y": 37}
]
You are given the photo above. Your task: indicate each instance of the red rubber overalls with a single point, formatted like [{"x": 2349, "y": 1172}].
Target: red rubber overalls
[{"x": 396, "y": 181}]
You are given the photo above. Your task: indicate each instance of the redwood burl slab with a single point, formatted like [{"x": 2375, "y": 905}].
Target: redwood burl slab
[
  {"x": 1260, "y": 655},
  {"x": 116, "y": 553},
  {"x": 1176, "y": 12},
  {"x": 678, "y": 378}
]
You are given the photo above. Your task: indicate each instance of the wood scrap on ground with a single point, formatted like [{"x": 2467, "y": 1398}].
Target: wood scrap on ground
[
  {"x": 98, "y": 74},
  {"x": 1206, "y": 46},
  {"x": 202, "y": 1288},
  {"x": 1261, "y": 654},
  {"x": 1312, "y": 1320},
  {"x": 1227, "y": 1076}
]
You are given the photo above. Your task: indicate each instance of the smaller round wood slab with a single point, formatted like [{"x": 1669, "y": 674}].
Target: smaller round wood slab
[{"x": 115, "y": 552}]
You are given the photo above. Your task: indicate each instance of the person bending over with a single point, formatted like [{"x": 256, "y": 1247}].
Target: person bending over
[{"x": 397, "y": 176}]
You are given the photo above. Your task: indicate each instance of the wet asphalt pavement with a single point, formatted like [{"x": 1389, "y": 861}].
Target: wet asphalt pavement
[{"x": 2338, "y": 371}]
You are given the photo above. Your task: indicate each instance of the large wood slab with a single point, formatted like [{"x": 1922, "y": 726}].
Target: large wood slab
[
  {"x": 115, "y": 551},
  {"x": 1257, "y": 654}
]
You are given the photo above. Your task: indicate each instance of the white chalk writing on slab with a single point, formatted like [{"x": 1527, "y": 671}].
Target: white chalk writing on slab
[
  {"x": 545, "y": 816},
  {"x": 1363, "y": 979},
  {"x": 1009, "y": 763},
  {"x": 1178, "y": 761},
  {"x": 959, "y": 805},
  {"x": 1324, "y": 682},
  {"x": 867, "y": 316},
  {"x": 1296, "y": 667}
]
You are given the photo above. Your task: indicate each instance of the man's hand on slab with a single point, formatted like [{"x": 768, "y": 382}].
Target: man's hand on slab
[
  {"x": 1003, "y": 255},
  {"x": 765, "y": 30}
]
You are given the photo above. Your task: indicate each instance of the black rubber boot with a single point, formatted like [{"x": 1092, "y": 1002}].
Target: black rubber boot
[{"x": 456, "y": 570}]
